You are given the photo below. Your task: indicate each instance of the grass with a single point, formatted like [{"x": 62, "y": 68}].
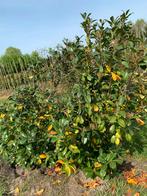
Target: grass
[
  {"x": 120, "y": 187},
  {"x": 2, "y": 189}
]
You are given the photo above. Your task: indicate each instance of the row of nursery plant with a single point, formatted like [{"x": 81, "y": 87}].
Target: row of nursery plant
[
  {"x": 98, "y": 122},
  {"x": 19, "y": 70}
]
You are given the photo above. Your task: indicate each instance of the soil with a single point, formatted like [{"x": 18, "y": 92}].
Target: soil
[{"x": 34, "y": 183}]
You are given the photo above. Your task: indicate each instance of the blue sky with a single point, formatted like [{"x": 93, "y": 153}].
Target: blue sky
[{"x": 36, "y": 24}]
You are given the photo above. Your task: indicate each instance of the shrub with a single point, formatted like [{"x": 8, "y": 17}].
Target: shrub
[{"x": 94, "y": 126}]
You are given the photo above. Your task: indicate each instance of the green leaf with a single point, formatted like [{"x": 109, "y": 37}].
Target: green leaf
[
  {"x": 88, "y": 99},
  {"x": 125, "y": 75},
  {"x": 112, "y": 165},
  {"x": 108, "y": 158},
  {"x": 63, "y": 122},
  {"x": 102, "y": 173},
  {"x": 128, "y": 137},
  {"x": 84, "y": 140},
  {"x": 121, "y": 100},
  {"x": 112, "y": 119},
  {"x": 88, "y": 172},
  {"x": 81, "y": 120},
  {"x": 122, "y": 123},
  {"x": 113, "y": 139},
  {"x": 89, "y": 77},
  {"x": 119, "y": 161},
  {"x": 64, "y": 151},
  {"x": 126, "y": 64},
  {"x": 54, "y": 139},
  {"x": 112, "y": 129}
]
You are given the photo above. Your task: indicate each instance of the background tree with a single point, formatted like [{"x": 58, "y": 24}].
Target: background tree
[{"x": 140, "y": 29}]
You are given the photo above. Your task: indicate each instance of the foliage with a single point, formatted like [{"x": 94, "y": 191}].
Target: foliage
[
  {"x": 99, "y": 121},
  {"x": 64, "y": 66},
  {"x": 16, "y": 68},
  {"x": 140, "y": 29}
]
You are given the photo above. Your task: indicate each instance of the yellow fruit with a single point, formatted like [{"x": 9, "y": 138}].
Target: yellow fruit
[
  {"x": 39, "y": 162},
  {"x": 108, "y": 68},
  {"x": 47, "y": 115},
  {"x": 95, "y": 108},
  {"x": 68, "y": 133},
  {"x": 118, "y": 135},
  {"x": 41, "y": 117},
  {"x": 30, "y": 77},
  {"x": 76, "y": 131},
  {"x": 16, "y": 191},
  {"x": 19, "y": 107},
  {"x": 97, "y": 165},
  {"x": 43, "y": 156},
  {"x": 49, "y": 127},
  {"x": 117, "y": 141},
  {"x": 2, "y": 116}
]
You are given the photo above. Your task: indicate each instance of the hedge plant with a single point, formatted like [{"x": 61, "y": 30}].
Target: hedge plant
[{"x": 98, "y": 122}]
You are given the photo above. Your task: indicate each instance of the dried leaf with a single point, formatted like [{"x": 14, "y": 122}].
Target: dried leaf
[
  {"x": 39, "y": 193},
  {"x": 134, "y": 178},
  {"x": 86, "y": 193},
  {"x": 61, "y": 162},
  {"x": 137, "y": 194},
  {"x": 57, "y": 169},
  {"x": 57, "y": 182},
  {"x": 49, "y": 107},
  {"x": 115, "y": 77},
  {"x": 139, "y": 121},
  {"x": 132, "y": 181},
  {"x": 92, "y": 184},
  {"x": 113, "y": 189},
  {"x": 73, "y": 170},
  {"x": 53, "y": 133},
  {"x": 50, "y": 172},
  {"x": 129, "y": 192}
]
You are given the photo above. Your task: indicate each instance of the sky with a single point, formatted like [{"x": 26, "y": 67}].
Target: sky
[{"x": 36, "y": 24}]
